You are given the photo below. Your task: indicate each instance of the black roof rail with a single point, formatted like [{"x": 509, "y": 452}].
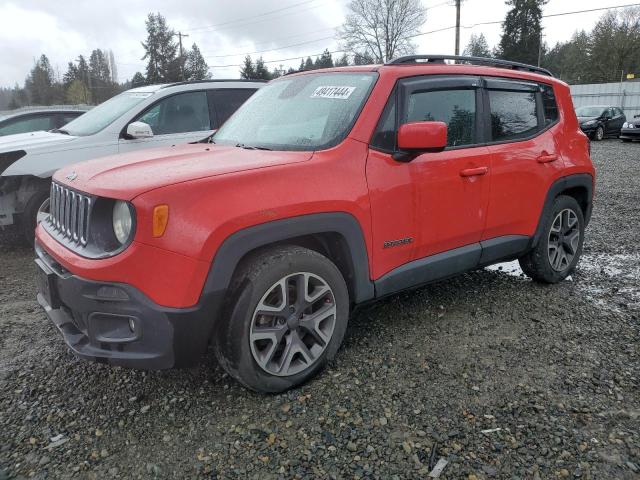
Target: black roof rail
[
  {"x": 492, "y": 62},
  {"x": 213, "y": 80}
]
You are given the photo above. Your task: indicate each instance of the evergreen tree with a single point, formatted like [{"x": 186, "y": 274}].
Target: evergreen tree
[
  {"x": 262, "y": 73},
  {"x": 477, "y": 46},
  {"x": 363, "y": 59},
  {"x": 137, "y": 80},
  {"x": 70, "y": 75},
  {"x": 39, "y": 83},
  {"x": 308, "y": 64},
  {"x": 160, "y": 51},
  {"x": 248, "y": 70},
  {"x": 324, "y": 61},
  {"x": 195, "y": 67},
  {"x": 521, "y": 31},
  {"x": 343, "y": 61},
  {"x": 301, "y": 67},
  {"x": 99, "y": 77}
]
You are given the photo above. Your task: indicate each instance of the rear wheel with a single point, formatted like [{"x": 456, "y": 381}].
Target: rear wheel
[
  {"x": 36, "y": 210},
  {"x": 558, "y": 251},
  {"x": 285, "y": 320}
]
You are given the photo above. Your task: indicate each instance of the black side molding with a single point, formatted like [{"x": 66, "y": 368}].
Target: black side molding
[
  {"x": 579, "y": 180},
  {"x": 240, "y": 243},
  {"x": 9, "y": 158}
]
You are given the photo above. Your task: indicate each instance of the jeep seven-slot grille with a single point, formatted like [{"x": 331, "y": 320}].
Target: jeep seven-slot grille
[{"x": 70, "y": 212}]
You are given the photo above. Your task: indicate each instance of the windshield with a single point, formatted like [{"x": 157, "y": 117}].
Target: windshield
[
  {"x": 104, "y": 114},
  {"x": 307, "y": 112},
  {"x": 589, "y": 111}
]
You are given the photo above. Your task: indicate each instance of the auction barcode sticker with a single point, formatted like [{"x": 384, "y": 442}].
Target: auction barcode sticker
[{"x": 333, "y": 92}]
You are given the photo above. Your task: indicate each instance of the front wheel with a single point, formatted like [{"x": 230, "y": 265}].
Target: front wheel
[
  {"x": 286, "y": 318},
  {"x": 599, "y": 133},
  {"x": 36, "y": 210},
  {"x": 558, "y": 251}
]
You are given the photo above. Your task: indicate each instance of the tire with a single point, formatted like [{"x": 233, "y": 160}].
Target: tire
[
  {"x": 30, "y": 215},
  {"x": 276, "y": 361},
  {"x": 626, "y": 140},
  {"x": 598, "y": 135},
  {"x": 541, "y": 264}
]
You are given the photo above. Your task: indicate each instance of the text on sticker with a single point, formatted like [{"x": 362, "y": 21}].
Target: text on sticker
[{"x": 333, "y": 92}]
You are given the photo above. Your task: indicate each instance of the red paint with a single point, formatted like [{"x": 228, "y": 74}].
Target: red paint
[
  {"x": 422, "y": 136},
  {"x": 440, "y": 200}
]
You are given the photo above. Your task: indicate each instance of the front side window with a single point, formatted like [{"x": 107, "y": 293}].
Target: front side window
[
  {"x": 31, "y": 123},
  {"x": 105, "y": 114},
  {"x": 185, "y": 112},
  {"x": 513, "y": 114},
  {"x": 456, "y": 108},
  {"x": 306, "y": 112}
]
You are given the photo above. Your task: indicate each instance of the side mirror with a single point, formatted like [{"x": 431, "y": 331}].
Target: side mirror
[
  {"x": 419, "y": 137},
  {"x": 139, "y": 130}
]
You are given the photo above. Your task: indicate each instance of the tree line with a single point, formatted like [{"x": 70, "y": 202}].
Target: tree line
[
  {"x": 94, "y": 79},
  {"x": 606, "y": 53}
]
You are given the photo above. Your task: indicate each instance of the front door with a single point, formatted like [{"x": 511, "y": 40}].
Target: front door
[
  {"x": 438, "y": 201},
  {"x": 176, "y": 119}
]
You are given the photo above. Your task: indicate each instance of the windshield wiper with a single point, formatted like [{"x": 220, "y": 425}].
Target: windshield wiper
[
  {"x": 251, "y": 147},
  {"x": 60, "y": 130}
]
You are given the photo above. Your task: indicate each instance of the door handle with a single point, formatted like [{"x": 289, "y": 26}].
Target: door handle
[
  {"x": 547, "y": 158},
  {"x": 474, "y": 172}
]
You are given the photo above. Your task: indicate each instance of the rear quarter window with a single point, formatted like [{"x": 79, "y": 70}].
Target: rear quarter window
[
  {"x": 513, "y": 114},
  {"x": 549, "y": 104}
]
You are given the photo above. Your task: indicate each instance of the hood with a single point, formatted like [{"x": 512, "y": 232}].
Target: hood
[
  {"x": 33, "y": 140},
  {"x": 128, "y": 175},
  {"x": 586, "y": 119}
]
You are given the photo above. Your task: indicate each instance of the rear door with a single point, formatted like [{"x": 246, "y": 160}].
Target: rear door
[
  {"x": 522, "y": 121},
  {"x": 179, "y": 118}
]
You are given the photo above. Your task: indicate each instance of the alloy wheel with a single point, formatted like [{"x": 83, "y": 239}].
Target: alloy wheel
[
  {"x": 293, "y": 324},
  {"x": 564, "y": 238}
]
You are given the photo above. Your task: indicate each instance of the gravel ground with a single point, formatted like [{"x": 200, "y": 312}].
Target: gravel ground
[{"x": 501, "y": 377}]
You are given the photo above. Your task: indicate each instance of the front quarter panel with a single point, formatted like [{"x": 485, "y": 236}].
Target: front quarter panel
[{"x": 203, "y": 213}]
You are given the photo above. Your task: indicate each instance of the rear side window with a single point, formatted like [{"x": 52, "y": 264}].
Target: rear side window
[
  {"x": 513, "y": 114},
  {"x": 456, "y": 108},
  {"x": 549, "y": 104},
  {"x": 226, "y": 102}
]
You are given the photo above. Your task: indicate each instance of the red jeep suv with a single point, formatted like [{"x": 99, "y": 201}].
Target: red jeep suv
[{"x": 327, "y": 189}]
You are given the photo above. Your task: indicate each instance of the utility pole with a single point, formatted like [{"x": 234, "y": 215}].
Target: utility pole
[
  {"x": 458, "y": 2},
  {"x": 180, "y": 35},
  {"x": 540, "y": 48}
]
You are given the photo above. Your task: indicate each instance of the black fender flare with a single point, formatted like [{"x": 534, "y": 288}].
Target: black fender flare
[
  {"x": 237, "y": 245},
  {"x": 583, "y": 180}
]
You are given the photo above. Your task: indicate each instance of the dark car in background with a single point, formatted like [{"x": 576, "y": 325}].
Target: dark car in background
[
  {"x": 33, "y": 120},
  {"x": 631, "y": 130},
  {"x": 600, "y": 121}
]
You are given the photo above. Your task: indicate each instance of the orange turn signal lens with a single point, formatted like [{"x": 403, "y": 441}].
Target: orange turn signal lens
[{"x": 160, "y": 219}]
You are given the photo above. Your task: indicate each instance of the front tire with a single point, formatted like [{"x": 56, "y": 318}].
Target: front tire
[
  {"x": 557, "y": 253},
  {"x": 285, "y": 319},
  {"x": 598, "y": 135},
  {"x": 35, "y": 210}
]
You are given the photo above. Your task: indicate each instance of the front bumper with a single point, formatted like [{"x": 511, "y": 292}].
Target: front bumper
[
  {"x": 588, "y": 129},
  {"x": 115, "y": 323},
  {"x": 630, "y": 134}
]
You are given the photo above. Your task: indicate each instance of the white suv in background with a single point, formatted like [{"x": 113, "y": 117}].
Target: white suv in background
[{"x": 144, "y": 117}]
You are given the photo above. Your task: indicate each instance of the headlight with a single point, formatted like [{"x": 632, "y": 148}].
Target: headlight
[
  {"x": 625, "y": 125},
  {"x": 589, "y": 123},
  {"x": 122, "y": 221}
]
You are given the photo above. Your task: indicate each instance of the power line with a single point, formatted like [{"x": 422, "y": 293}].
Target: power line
[
  {"x": 243, "y": 20},
  {"x": 271, "y": 49}
]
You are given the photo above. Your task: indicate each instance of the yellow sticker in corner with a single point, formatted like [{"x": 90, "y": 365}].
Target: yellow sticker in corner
[{"x": 341, "y": 93}]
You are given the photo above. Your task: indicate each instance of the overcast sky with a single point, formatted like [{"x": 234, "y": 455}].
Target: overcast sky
[{"x": 227, "y": 30}]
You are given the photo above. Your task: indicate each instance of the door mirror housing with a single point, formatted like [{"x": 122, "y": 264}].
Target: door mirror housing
[
  {"x": 419, "y": 137},
  {"x": 139, "y": 130}
]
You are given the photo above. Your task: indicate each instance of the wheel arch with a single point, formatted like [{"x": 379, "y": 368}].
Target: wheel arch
[
  {"x": 578, "y": 186},
  {"x": 337, "y": 235}
]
